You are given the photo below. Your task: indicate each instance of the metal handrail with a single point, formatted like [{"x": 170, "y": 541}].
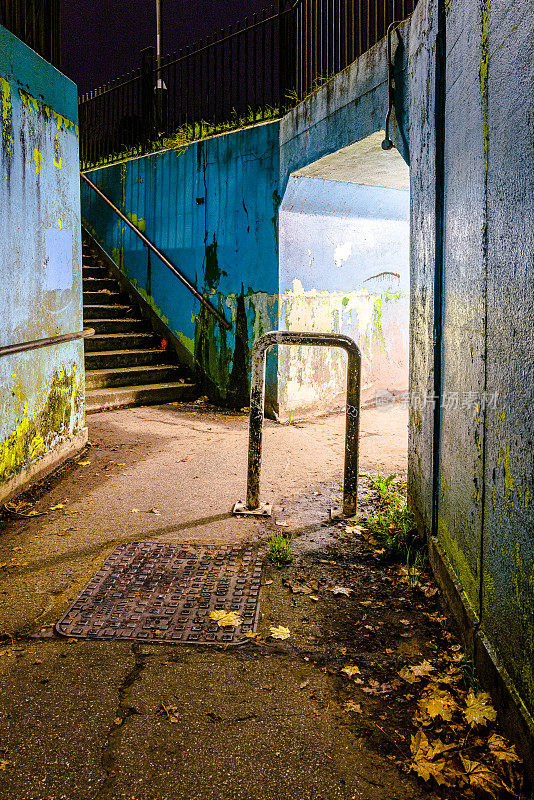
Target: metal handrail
[
  {"x": 37, "y": 343},
  {"x": 187, "y": 283}
]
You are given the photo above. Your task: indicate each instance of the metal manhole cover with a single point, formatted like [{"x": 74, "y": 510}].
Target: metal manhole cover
[{"x": 163, "y": 592}]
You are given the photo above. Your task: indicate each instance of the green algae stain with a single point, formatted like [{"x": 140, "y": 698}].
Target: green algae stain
[
  {"x": 187, "y": 342},
  {"x": 117, "y": 254},
  {"x": 508, "y": 477},
  {"x": 212, "y": 271},
  {"x": 57, "y": 159},
  {"x": 139, "y": 222},
  {"x": 38, "y": 159},
  {"x": 459, "y": 563},
  {"x": 33, "y": 436},
  {"x": 150, "y": 300},
  {"x": 7, "y": 116}
]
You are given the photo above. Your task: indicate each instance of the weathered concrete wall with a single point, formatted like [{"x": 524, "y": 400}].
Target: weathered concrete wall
[
  {"x": 212, "y": 208},
  {"x": 471, "y": 463},
  {"x": 344, "y": 268},
  {"x": 41, "y": 391},
  {"x": 464, "y": 124}
]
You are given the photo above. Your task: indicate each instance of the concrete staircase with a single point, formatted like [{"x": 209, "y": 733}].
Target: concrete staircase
[{"x": 125, "y": 364}]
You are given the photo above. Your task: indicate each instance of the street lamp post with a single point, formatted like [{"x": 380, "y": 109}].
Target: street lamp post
[{"x": 161, "y": 89}]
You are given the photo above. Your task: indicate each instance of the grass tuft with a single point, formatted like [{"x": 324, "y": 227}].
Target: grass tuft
[{"x": 280, "y": 548}]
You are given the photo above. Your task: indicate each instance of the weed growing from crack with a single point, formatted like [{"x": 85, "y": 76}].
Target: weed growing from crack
[
  {"x": 280, "y": 548},
  {"x": 394, "y": 524},
  {"x": 469, "y": 676}
]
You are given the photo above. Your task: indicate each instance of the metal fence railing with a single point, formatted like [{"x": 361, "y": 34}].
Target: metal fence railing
[
  {"x": 37, "y": 23},
  {"x": 249, "y": 72}
]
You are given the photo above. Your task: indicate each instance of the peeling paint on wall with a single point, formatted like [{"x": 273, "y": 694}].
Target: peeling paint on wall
[{"x": 348, "y": 245}]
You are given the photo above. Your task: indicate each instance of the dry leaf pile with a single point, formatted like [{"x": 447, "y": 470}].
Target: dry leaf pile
[{"x": 454, "y": 745}]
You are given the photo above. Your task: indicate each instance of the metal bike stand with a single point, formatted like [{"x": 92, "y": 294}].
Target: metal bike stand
[{"x": 257, "y": 398}]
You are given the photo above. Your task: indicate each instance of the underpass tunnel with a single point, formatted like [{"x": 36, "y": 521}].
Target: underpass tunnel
[{"x": 344, "y": 268}]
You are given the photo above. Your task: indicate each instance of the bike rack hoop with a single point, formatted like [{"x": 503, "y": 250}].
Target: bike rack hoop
[{"x": 257, "y": 400}]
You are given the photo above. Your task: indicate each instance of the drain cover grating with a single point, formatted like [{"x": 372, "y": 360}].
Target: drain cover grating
[{"x": 162, "y": 592}]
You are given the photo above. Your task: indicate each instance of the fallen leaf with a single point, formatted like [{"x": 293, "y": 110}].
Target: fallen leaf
[
  {"x": 297, "y": 588},
  {"x": 251, "y": 634},
  {"x": 351, "y": 670},
  {"x": 423, "y": 669},
  {"x": 501, "y": 749},
  {"x": 121, "y": 464},
  {"x": 479, "y": 709},
  {"x": 226, "y": 619},
  {"x": 56, "y": 508},
  {"x": 341, "y": 590},
  {"x": 438, "y": 704},
  {"x": 118, "y": 720},
  {"x": 135, "y": 511},
  {"x": 84, "y": 463},
  {"x": 280, "y": 632},
  {"x": 482, "y": 777},
  {"x": 155, "y": 511},
  {"x": 304, "y": 683},
  {"x": 3, "y": 764},
  {"x": 171, "y": 712},
  {"x": 423, "y": 753},
  {"x": 267, "y": 583},
  {"x": 350, "y": 705},
  {"x": 313, "y": 597}
]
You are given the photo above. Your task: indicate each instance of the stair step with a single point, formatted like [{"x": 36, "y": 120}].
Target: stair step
[
  {"x": 128, "y": 325},
  {"x": 133, "y": 376},
  {"x": 119, "y": 341},
  {"x": 97, "y": 284},
  {"x": 109, "y": 359},
  {"x": 93, "y": 271},
  {"x": 122, "y": 396},
  {"x": 105, "y": 297},
  {"x": 119, "y": 311}
]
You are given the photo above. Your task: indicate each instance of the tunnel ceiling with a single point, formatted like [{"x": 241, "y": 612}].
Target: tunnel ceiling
[{"x": 363, "y": 162}]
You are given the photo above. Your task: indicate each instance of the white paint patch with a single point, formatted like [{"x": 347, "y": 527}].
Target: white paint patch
[{"x": 342, "y": 253}]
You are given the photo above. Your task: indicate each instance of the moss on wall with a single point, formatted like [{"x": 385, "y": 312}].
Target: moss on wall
[{"x": 34, "y": 436}]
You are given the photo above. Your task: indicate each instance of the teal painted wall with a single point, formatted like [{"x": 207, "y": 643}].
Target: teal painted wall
[
  {"x": 41, "y": 391},
  {"x": 212, "y": 208}
]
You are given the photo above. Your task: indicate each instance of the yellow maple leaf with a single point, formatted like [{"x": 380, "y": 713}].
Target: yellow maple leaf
[
  {"x": 226, "y": 619},
  {"x": 479, "y": 709},
  {"x": 55, "y": 508},
  {"x": 280, "y": 632},
  {"x": 438, "y": 704}
]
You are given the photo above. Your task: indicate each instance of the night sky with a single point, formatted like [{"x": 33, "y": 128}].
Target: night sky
[{"x": 102, "y": 40}]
